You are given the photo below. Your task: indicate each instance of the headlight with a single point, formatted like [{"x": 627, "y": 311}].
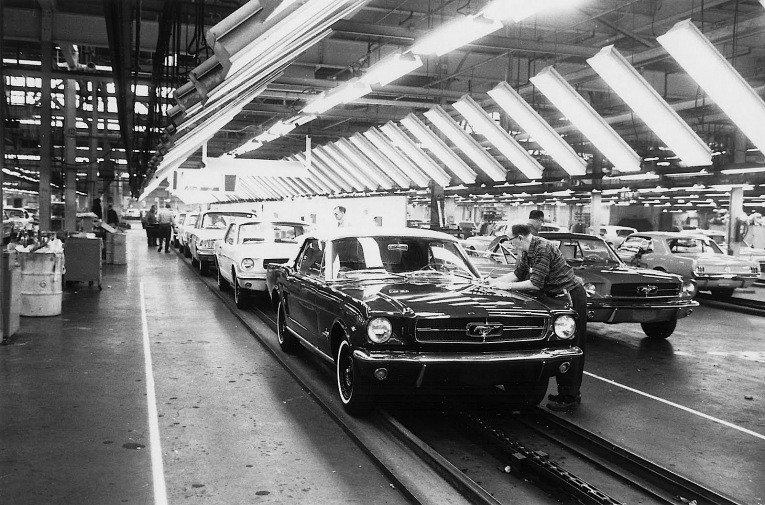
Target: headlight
[
  {"x": 565, "y": 327},
  {"x": 689, "y": 288},
  {"x": 379, "y": 330},
  {"x": 590, "y": 289},
  {"x": 248, "y": 263}
]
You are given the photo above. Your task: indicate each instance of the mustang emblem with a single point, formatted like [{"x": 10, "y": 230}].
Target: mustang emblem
[
  {"x": 647, "y": 289},
  {"x": 484, "y": 331}
]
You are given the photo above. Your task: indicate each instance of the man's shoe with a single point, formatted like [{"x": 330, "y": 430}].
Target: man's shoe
[
  {"x": 159, "y": 250},
  {"x": 167, "y": 250},
  {"x": 559, "y": 403}
]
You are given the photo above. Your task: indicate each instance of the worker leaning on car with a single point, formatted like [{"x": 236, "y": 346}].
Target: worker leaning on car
[{"x": 541, "y": 266}]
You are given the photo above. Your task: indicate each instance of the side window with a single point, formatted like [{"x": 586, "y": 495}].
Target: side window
[{"x": 310, "y": 258}]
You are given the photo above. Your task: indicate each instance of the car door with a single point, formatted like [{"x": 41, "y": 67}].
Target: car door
[
  {"x": 224, "y": 252},
  {"x": 308, "y": 277}
]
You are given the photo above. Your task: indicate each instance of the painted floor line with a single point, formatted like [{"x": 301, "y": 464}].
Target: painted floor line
[
  {"x": 681, "y": 407},
  {"x": 157, "y": 469}
]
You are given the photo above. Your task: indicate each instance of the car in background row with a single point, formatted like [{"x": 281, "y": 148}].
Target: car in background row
[
  {"x": 616, "y": 292},
  {"x": 132, "y": 213},
  {"x": 184, "y": 228},
  {"x": 243, "y": 255},
  {"x": 210, "y": 226},
  {"x": 177, "y": 223},
  {"x": 746, "y": 250},
  {"x": 501, "y": 228},
  {"x": 20, "y": 219},
  {"x": 403, "y": 310},
  {"x": 615, "y": 235},
  {"x": 693, "y": 256}
]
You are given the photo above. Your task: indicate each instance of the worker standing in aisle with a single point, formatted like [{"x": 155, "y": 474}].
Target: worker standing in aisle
[{"x": 165, "y": 220}]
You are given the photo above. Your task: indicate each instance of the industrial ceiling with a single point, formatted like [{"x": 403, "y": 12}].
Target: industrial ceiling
[{"x": 166, "y": 46}]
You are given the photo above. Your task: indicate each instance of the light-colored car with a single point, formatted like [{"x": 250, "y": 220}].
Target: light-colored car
[
  {"x": 501, "y": 228},
  {"x": 210, "y": 226},
  {"x": 177, "y": 222},
  {"x": 247, "y": 248},
  {"x": 132, "y": 213},
  {"x": 184, "y": 228},
  {"x": 746, "y": 251},
  {"x": 691, "y": 255},
  {"x": 615, "y": 235},
  {"x": 20, "y": 218}
]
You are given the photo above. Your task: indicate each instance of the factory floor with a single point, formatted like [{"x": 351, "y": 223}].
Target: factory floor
[{"x": 151, "y": 391}]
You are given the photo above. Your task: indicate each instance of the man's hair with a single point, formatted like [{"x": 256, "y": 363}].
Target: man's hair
[
  {"x": 340, "y": 208},
  {"x": 536, "y": 214},
  {"x": 167, "y": 205},
  {"x": 520, "y": 229}
]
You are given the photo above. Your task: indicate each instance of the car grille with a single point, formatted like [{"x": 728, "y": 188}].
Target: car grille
[
  {"x": 275, "y": 261},
  {"x": 645, "y": 290},
  {"x": 455, "y": 330}
]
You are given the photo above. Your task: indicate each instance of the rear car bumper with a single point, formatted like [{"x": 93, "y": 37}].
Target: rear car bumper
[
  {"x": 645, "y": 313},
  {"x": 432, "y": 369},
  {"x": 725, "y": 281}
]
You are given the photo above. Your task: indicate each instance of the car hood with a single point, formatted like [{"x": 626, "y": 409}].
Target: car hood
[
  {"x": 208, "y": 234},
  {"x": 439, "y": 300},
  {"x": 622, "y": 274},
  {"x": 266, "y": 249}
]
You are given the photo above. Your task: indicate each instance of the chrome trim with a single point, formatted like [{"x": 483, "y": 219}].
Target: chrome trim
[
  {"x": 312, "y": 347},
  {"x": 479, "y": 358}
]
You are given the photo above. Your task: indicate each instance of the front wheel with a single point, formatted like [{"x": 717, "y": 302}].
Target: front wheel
[
  {"x": 222, "y": 282},
  {"x": 240, "y": 298},
  {"x": 287, "y": 341},
  {"x": 354, "y": 391},
  {"x": 662, "y": 329}
]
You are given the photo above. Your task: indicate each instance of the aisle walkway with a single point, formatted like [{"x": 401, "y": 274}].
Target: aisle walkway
[{"x": 232, "y": 425}]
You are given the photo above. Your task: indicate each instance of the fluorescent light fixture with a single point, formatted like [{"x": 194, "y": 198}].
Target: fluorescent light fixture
[
  {"x": 451, "y": 35},
  {"x": 403, "y": 142},
  {"x": 589, "y": 122},
  {"x": 266, "y": 136},
  {"x": 301, "y": 119},
  {"x": 648, "y": 176},
  {"x": 651, "y": 107},
  {"x": 252, "y": 145},
  {"x": 486, "y": 126},
  {"x": 435, "y": 145},
  {"x": 350, "y": 167},
  {"x": 378, "y": 158},
  {"x": 412, "y": 171},
  {"x": 363, "y": 164},
  {"x": 281, "y": 128},
  {"x": 762, "y": 2},
  {"x": 518, "y": 10},
  {"x": 679, "y": 175},
  {"x": 319, "y": 175},
  {"x": 704, "y": 63},
  {"x": 324, "y": 154},
  {"x": 345, "y": 93},
  {"x": 539, "y": 129},
  {"x": 751, "y": 170},
  {"x": 391, "y": 68}
]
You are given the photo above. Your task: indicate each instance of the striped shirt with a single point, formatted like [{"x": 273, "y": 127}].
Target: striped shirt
[{"x": 546, "y": 267}]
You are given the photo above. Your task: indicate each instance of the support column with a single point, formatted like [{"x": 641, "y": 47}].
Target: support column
[
  {"x": 46, "y": 132},
  {"x": 70, "y": 155},
  {"x": 596, "y": 212},
  {"x": 739, "y": 147},
  {"x": 436, "y": 205},
  {"x": 736, "y": 219},
  {"x": 93, "y": 167}
]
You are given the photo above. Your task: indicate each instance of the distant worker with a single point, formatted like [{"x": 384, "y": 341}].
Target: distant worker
[
  {"x": 536, "y": 220},
  {"x": 149, "y": 222},
  {"x": 97, "y": 210},
  {"x": 112, "y": 218},
  {"x": 340, "y": 216},
  {"x": 165, "y": 220},
  {"x": 541, "y": 266}
]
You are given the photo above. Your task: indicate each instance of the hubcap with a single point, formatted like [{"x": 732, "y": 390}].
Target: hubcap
[{"x": 346, "y": 375}]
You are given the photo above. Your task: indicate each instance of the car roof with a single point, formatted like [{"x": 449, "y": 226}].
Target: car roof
[
  {"x": 271, "y": 221},
  {"x": 670, "y": 234},
  {"x": 567, "y": 234},
  {"x": 369, "y": 231}
]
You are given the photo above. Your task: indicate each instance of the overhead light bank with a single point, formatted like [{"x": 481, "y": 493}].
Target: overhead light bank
[
  {"x": 651, "y": 107},
  {"x": 539, "y": 129},
  {"x": 590, "y": 123},
  {"x": 717, "y": 77}
]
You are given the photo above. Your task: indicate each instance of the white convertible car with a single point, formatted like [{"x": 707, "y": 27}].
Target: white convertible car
[{"x": 247, "y": 249}]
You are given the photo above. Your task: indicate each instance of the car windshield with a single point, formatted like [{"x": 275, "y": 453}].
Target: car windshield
[
  {"x": 398, "y": 255},
  {"x": 695, "y": 245},
  {"x": 624, "y": 233},
  {"x": 15, "y": 213},
  {"x": 219, "y": 220},
  {"x": 250, "y": 233},
  {"x": 582, "y": 250}
]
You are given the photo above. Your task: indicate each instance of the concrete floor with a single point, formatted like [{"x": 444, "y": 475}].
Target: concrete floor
[{"x": 233, "y": 426}]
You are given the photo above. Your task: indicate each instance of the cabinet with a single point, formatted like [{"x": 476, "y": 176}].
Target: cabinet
[{"x": 82, "y": 257}]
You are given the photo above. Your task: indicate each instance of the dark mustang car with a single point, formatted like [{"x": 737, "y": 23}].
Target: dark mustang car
[
  {"x": 401, "y": 309},
  {"x": 616, "y": 292}
]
